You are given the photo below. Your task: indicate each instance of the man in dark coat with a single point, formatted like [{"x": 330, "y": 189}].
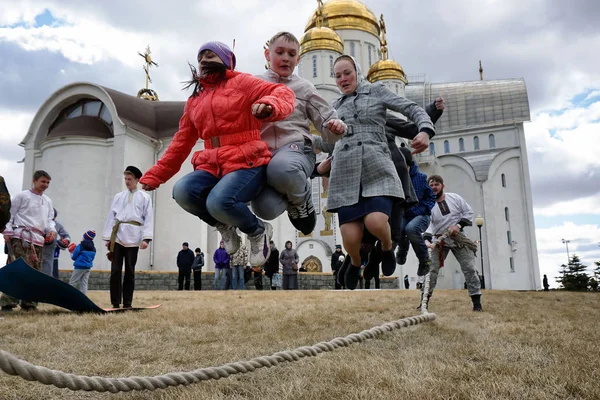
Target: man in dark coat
[
  {"x": 185, "y": 259},
  {"x": 272, "y": 265},
  {"x": 336, "y": 264}
]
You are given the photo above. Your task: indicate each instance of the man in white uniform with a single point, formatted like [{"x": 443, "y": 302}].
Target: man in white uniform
[
  {"x": 31, "y": 224},
  {"x": 128, "y": 228},
  {"x": 451, "y": 214}
]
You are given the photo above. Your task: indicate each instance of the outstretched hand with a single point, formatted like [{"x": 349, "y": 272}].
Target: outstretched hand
[
  {"x": 148, "y": 188},
  {"x": 261, "y": 110},
  {"x": 324, "y": 167},
  {"x": 420, "y": 143},
  {"x": 439, "y": 103},
  {"x": 336, "y": 126}
]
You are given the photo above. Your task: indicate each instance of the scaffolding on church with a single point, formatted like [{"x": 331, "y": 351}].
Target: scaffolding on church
[{"x": 474, "y": 104}]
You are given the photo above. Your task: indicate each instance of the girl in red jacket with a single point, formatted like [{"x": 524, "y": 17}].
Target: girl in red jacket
[{"x": 226, "y": 111}]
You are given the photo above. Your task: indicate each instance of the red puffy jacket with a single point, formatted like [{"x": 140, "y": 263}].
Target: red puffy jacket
[{"x": 221, "y": 115}]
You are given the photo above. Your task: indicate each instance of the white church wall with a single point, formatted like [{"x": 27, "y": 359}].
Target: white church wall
[
  {"x": 175, "y": 225},
  {"x": 528, "y": 204},
  {"x": 313, "y": 248},
  {"x": 361, "y": 41},
  {"x": 77, "y": 188},
  {"x": 505, "y": 275},
  {"x": 395, "y": 86},
  {"x": 502, "y": 138}
]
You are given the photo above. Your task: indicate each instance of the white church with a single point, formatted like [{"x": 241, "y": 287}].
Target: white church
[{"x": 84, "y": 135}]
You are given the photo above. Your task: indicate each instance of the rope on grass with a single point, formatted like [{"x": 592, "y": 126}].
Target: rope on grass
[
  {"x": 425, "y": 295},
  {"x": 14, "y": 366}
]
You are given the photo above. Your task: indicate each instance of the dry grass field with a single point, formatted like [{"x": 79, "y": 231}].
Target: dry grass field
[{"x": 524, "y": 345}]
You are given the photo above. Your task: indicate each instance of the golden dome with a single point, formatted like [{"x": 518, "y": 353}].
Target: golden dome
[
  {"x": 321, "y": 38},
  {"x": 346, "y": 14},
  {"x": 386, "y": 69}
]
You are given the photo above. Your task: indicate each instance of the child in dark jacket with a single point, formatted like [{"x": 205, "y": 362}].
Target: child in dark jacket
[{"x": 83, "y": 258}]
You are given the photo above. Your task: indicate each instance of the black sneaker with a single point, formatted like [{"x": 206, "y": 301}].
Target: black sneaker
[
  {"x": 352, "y": 276},
  {"x": 116, "y": 306},
  {"x": 303, "y": 217},
  {"x": 388, "y": 262},
  {"x": 423, "y": 268},
  {"x": 401, "y": 254}
]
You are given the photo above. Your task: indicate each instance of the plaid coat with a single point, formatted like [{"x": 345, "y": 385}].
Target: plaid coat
[{"x": 361, "y": 158}]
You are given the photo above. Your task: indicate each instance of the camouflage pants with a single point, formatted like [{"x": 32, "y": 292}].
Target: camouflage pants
[
  {"x": 23, "y": 249},
  {"x": 466, "y": 259}
]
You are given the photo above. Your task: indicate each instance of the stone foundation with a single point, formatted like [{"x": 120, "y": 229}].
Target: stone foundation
[{"x": 158, "y": 280}]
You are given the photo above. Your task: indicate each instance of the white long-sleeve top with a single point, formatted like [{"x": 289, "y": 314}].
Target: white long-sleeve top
[
  {"x": 449, "y": 212},
  {"x": 31, "y": 217},
  {"x": 130, "y": 206}
]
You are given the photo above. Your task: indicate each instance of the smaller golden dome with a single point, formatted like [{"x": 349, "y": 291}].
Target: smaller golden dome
[
  {"x": 386, "y": 69},
  {"x": 346, "y": 14},
  {"x": 321, "y": 38}
]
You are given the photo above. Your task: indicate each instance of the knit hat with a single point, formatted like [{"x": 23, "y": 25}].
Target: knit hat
[
  {"x": 407, "y": 156},
  {"x": 186, "y": 244},
  {"x": 338, "y": 246},
  {"x": 89, "y": 235},
  {"x": 222, "y": 51}
]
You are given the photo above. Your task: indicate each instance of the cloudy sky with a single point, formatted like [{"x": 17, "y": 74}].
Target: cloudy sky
[{"x": 552, "y": 44}]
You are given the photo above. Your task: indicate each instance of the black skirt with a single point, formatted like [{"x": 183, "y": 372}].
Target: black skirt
[{"x": 365, "y": 205}]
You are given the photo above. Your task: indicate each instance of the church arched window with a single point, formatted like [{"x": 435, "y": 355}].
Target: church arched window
[
  {"x": 446, "y": 147},
  {"x": 431, "y": 149},
  {"x": 461, "y": 144},
  {"x": 370, "y": 56},
  {"x": 492, "y": 141},
  {"x": 84, "y": 108},
  {"x": 353, "y": 49},
  {"x": 476, "y": 143},
  {"x": 314, "y": 66}
]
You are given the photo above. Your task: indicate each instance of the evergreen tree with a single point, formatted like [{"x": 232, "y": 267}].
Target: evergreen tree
[
  {"x": 574, "y": 276},
  {"x": 594, "y": 280}
]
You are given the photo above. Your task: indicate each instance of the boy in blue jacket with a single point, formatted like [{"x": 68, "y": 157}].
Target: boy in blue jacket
[{"x": 83, "y": 257}]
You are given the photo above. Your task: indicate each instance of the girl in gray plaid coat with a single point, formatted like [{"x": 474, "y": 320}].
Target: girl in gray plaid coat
[{"x": 364, "y": 184}]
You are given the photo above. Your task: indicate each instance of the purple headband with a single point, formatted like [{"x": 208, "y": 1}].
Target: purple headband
[{"x": 222, "y": 51}]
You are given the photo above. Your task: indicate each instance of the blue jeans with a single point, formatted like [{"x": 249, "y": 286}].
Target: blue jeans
[
  {"x": 238, "y": 273},
  {"x": 222, "y": 200},
  {"x": 220, "y": 278},
  {"x": 412, "y": 231}
]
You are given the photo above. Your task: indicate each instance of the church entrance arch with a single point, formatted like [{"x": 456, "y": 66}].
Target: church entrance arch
[{"x": 312, "y": 264}]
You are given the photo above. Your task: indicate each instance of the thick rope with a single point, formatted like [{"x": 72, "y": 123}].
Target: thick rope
[
  {"x": 425, "y": 294},
  {"x": 14, "y": 366}
]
